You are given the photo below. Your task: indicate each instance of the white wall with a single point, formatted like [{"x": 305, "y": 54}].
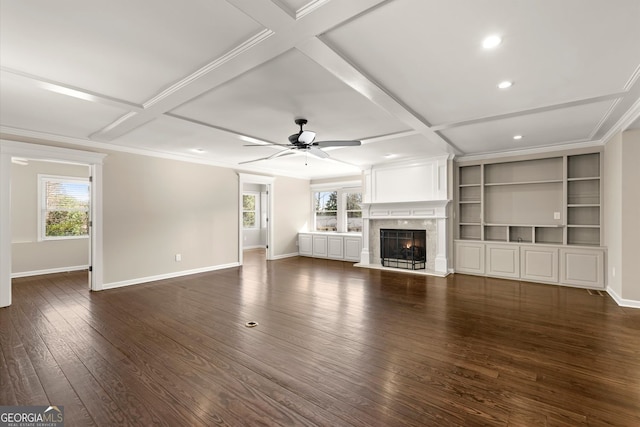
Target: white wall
[
  {"x": 622, "y": 216},
  {"x": 29, "y": 256}
]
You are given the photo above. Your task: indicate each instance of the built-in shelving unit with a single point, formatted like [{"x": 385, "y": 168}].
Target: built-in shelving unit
[
  {"x": 551, "y": 203},
  {"x": 554, "y": 200},
  {"x": 583, "y": 199}
]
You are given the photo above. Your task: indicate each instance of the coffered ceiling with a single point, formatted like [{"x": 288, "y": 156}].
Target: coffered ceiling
[{"x": 202, "y": 79}]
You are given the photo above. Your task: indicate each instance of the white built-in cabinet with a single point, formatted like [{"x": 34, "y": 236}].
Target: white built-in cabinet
[
  {"x": 338, "y": 246},
  {"x": 305, "y": 244},
  {"x": 536, "y": 218}
]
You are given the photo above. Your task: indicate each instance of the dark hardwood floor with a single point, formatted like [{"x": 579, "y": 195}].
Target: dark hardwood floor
[{"x": 335, "y": 345}]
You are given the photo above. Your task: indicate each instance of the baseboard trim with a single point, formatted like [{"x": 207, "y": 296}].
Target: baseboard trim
[
  {"x": 621, "y": 301},
  {"x": 245, "y": 248},
  {"x": 284, "y": 256},
  {"x": 49, "y": 271},
  {"x": 141, "y": 280}
]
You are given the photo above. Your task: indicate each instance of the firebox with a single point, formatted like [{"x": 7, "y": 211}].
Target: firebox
[{"x": 403, "y": 248}]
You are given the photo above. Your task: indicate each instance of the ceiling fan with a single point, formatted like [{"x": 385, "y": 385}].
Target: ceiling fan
[{"x": 304, "y": 140}]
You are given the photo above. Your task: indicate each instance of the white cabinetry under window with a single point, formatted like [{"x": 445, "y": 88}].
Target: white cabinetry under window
[
  {"x": 335, "y": 247},
  {"x": 320, "y": 246},
  {"x": 305, "y": 244},
  {"x": 338, "y": 246}
]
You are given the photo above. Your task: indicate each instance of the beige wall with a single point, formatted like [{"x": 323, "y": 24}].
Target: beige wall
[
  {"x": 156, "y": 208},
  {"x": 29, "y": 255},
  {"x": 292, "y": 212},
  {"x": 631, "y": 214},
  {"x": 622, "y": 214}
]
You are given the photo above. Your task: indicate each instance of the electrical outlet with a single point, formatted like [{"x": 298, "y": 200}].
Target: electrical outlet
[
  {"x": 178, "y": 257},
  {"x": 556, "y": 215}
]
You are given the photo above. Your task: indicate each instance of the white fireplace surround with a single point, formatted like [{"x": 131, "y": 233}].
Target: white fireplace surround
[
  {"x": 428, "y": 215},
  {"x": 407, "y": 195}
]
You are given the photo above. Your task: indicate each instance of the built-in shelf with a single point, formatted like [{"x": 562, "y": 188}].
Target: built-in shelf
[
  {"x": 589, "y": 178},
  {"x": 548, "y": 181},
  {"x": 552, "y": 201}
]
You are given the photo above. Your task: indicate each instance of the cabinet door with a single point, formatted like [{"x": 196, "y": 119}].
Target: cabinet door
[
  {"x": 539, "y": 264},
  {"x": 320, "y": 246},
  {"x": 305, "y": 244},
  {"x": 469, "y": 257},
  {"x": 503, "y": 261},
  {"x": 582, "y": 267},
  {"x": 352, "y": 248},
  {"x": 335, "y": 247}
]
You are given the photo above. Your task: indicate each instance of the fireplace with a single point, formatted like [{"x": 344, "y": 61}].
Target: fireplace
[{"x": 403, "y": 248}]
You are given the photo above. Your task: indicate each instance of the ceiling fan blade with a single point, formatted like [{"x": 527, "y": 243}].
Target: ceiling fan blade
[
  {"x": 318, "y": 153},
  {"x": 267, "y": 145},
  {"x": 337, "y": 143},
  {"x": 273, "y": 156}
]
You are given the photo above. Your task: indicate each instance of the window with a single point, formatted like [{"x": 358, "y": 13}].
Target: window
[
  {"x": 353, "y": 204},
  {"x": 326, "y": 210},
  {"x": 338, "y": 210},
  {"x": 249, "y": 211},
  {"x": 64, "y": 207}
]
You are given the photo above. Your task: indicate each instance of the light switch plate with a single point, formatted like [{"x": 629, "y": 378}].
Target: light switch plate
[{"x": 556, "y": 215}]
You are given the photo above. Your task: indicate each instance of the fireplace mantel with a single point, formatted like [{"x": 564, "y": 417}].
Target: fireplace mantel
[
  {"x": 406, "y": 210},
  {"x": 408, "y": 192}
]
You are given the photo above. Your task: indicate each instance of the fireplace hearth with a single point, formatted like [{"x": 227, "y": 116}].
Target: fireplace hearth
[{"x": 403, "y": 248}]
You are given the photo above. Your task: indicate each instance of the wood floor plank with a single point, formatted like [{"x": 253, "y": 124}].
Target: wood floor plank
[{"x": 335, "y": 345}]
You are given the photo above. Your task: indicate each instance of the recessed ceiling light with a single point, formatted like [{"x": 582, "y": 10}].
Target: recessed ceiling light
[
  {"x": 198, "y": 150},
  {"x": 491, "y": 42},
  {"x": 516, "y": 137},
  {"x": 390, "y": 156},
  {"x": 505, "y": 84}
]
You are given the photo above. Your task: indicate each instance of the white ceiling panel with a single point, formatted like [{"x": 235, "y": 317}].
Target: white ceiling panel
[
  {"x": 129, "y": 50},
  {"x": 428, "y": 52},
  {"x": 547, "y": 128},
  {"x": 265, "y": 101},
  {"x": 29, "y": 107},
  {"x": 408, "y": 77},
  {"x": 182, "y": 138},
  {"x": 387, "y": 150}
]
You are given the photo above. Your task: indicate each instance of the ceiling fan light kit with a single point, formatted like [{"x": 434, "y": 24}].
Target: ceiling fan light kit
[{"x": 304, "y": 140}]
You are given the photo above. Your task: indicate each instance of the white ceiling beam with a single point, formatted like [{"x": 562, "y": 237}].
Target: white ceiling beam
[
  {"x": 64, "y": 89},
  {"x": 281, "y": 33},
  {"x": 326, "y": 57}
]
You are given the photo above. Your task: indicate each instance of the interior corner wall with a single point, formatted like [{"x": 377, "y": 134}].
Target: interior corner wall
[
  {"x": 154, "y": 209},
  {"x": 622, "y": 215},
  {"x": 631, "y": 215},
  {"x": 292, "y": 213},
  {"x": 30, "y": 256},
  {"x": 613, "y": 211}
]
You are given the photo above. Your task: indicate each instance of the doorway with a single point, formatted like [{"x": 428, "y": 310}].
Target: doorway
[
  {"x": 255, "y": 225},
  {"x": 10, "y": 150}
]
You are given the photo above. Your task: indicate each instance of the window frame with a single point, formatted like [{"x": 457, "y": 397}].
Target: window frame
[
  {"x": 256, "y": 209},
  {"x": 342, "y": 189},
  {"x": 42, "y": 205}
]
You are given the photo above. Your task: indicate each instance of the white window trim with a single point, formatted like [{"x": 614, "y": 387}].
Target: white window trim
[
  {"x": 342, "y": 188},
  {"x": 42, "y": 237},
  {"x": 256, "y": 209}
]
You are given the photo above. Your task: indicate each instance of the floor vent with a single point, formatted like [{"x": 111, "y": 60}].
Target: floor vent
[{"x": 595, "y": 292}]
